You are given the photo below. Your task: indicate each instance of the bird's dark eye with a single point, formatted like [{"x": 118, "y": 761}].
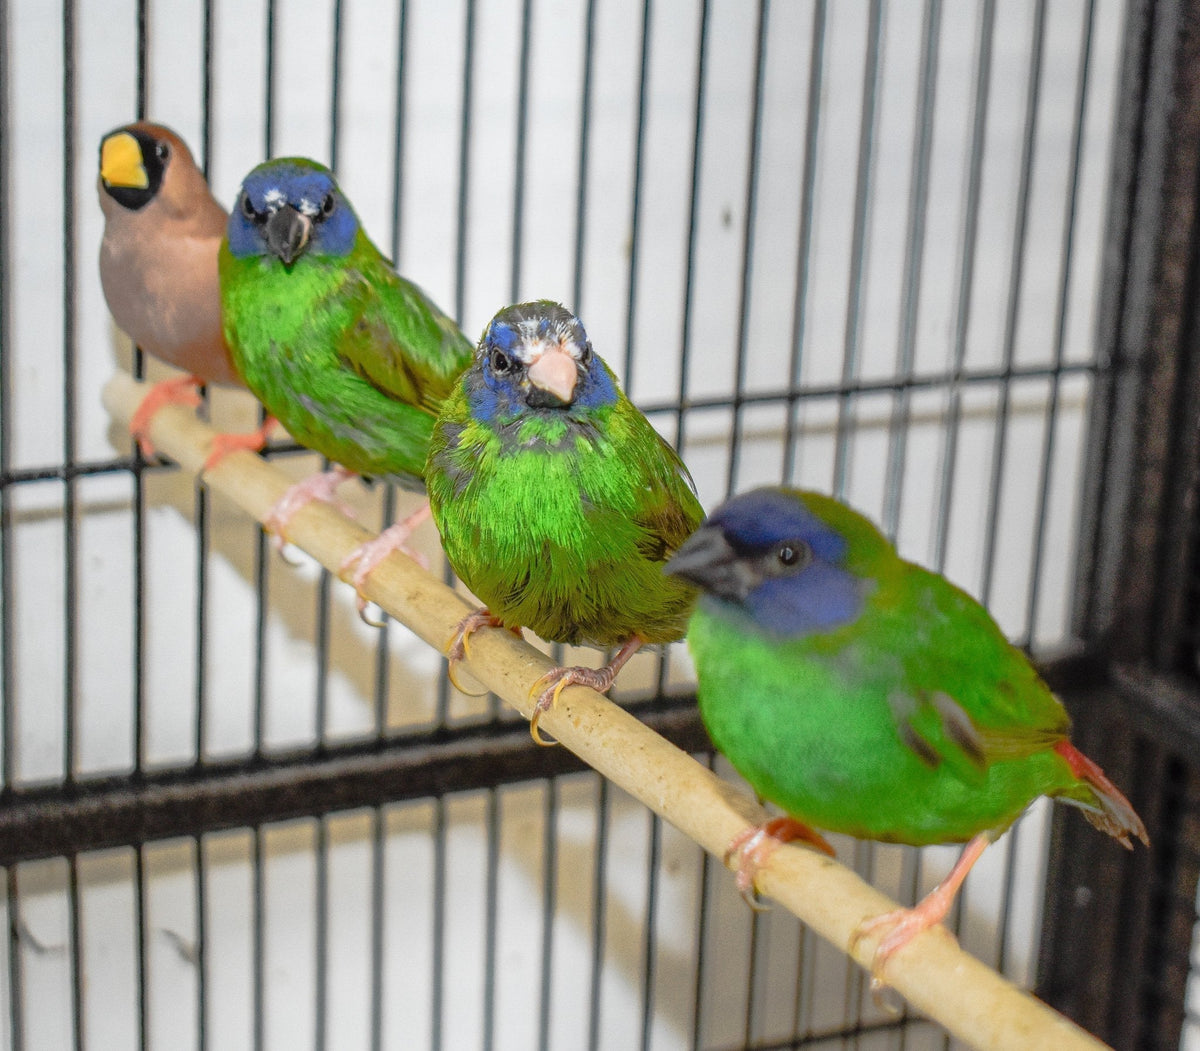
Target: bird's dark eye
[
  {"x": 585, "y": 355},
  {"x": 792, "y": 555},
  {"x": 327, "y": 205},
  {"x": 248, "y": 208},
  {"x": 499, "y": 361},
  {"x": 162, "y": 151}
]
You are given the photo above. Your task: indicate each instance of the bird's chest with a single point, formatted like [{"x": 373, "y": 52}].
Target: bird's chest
[
  {"x": 533, "y": 529},
  {"x": 164, "y": 299}
]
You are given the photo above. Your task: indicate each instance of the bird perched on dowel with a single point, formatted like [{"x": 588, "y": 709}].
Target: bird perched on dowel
[
  {"x": 158, "y": 267},
  {"x": 556, "y": 500},
  {"x": 865, "y": 695},
  {"x": 353, "y": 359}
]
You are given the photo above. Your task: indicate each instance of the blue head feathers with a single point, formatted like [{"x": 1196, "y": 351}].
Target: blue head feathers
[
  {"x": 768, "y": 553},
  {"x": 536, "y": 357},
  {"x": 289, "y": 207}
]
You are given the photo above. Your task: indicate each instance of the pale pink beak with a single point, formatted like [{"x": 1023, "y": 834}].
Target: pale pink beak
[{"x": 555, "y": 373}]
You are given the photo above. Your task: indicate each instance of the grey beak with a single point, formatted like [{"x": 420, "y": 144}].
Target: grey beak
[
  {"x": 287, "y": 233},
  {"x": 707, "y": 560}
]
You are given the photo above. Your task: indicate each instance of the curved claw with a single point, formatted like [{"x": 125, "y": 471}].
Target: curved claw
[
  {"x": 547, "y": 698},
  {"x": 599, "y": 679},
  {"x": 458, "y": 647}
]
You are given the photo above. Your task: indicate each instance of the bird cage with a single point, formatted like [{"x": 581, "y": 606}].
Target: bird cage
[{"x": 935, "y": 259}]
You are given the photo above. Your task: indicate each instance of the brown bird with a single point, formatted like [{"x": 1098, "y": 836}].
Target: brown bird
[{"x": 158, "y": 267}]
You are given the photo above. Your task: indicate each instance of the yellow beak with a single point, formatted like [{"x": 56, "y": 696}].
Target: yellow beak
[{"x": 121, "y": 162}]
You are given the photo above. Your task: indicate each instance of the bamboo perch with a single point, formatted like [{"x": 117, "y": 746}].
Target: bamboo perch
[{"x": 969, "y": 999}]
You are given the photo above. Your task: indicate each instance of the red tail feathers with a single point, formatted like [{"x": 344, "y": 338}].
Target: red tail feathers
[{"x": 1115, "y": 816}]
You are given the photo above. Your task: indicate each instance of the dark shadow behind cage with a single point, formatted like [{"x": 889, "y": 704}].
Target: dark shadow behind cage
[
  {"x": 233, "y": 816},
  {"x": 1118, "y": 950}
]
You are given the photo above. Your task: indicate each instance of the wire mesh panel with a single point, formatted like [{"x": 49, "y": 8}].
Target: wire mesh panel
[{"x": 850, "y": 246}]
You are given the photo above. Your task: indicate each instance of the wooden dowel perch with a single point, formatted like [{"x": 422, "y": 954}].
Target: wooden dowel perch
[{"x": 969, "y": 999}]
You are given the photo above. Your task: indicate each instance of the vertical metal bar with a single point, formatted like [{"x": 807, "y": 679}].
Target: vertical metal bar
[
  {"x": 704, "y": 896},
  {"x": 140, "y": 99},
  {"x": 200, "y": 491},
  {"x": 16, "y": 1005},
  {"x": 753, "y": 973},
  {"x": 143, "y": 945},
  {"x": 635, "y": 204},
  {"x": 685, "y": 326},
  {"x": 321, "y": 630},
  {"x": 806, "y": 984},
  {"x": 258, "y": 966},
  {"x": 138, "y": 655},
  {"x": 383, "y": 639},
  {"x": 1060, "y": 327},
  {"x": 76, "y": 941},
  {"x": 549, "y": 907},
  {"x": 378, "y": 913},
  {"x": 518, "y": 207},
  {"x": 399, "y": 141},
  {"x": 262, "y": 551},
  {"x": 1012, "y": 311},
  {"x": 518, "y": 212},
  {"x": 585, "y": 128},
  {"x": 858, "y": 248},
  {"x": 201, "y": 946},
  {"x": 269, "y": 73},
  {"x": 1051, "y": 425},
  {"x": 744, "y": 293},
  {"x": 910, "y": 294},
  {"x": 966, "y": 276},
  {"x": 335, "y": 89},
  {"x": 464, "y": 162},
  {"x": 864, "y": 865},
  {"x": 70, "y": 539},
  {"x": 321, "y": 939},
  {"x": 816, "y": 65},
  {"x": 439, "y": 923},
  {"x": 491, "y": 874},
  {"x": 599, "y": 913},
  {"x": 635, "y": 244},
  {"x": 464, "y": 146},
  {"x": 8, "y": 702},
  {"x": 650, "y": 933}
]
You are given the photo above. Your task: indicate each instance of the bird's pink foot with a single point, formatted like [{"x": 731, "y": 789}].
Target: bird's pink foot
[
  {"x": 458, "y": 646},
  {"x": 320, "y": 486},
  {"x": 550, "y": 685},
  {"x": 364, "y": 558},
  {"x": 900, "y": 926},
  {"x": 224, "y": 444},
  {"x": 755, "y": 845},
  {"x": 182, "y": 390}
]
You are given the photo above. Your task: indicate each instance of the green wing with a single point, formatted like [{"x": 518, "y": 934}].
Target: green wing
[
  {"x": 970, "y": 697},
  {"x": 395, "y": 336},
  {"x": 668, "y": 511}
]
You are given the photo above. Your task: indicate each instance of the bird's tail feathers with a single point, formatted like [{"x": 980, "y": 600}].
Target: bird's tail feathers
[{"x": 1109, "y": 811}]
